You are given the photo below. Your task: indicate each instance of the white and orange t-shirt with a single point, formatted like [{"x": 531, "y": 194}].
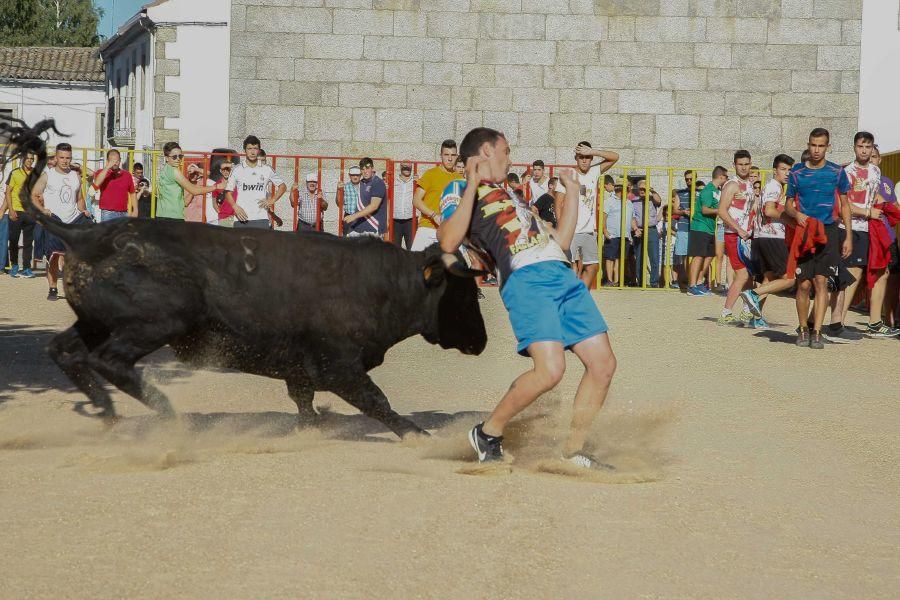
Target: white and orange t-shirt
[
  {"x": 742, "y": 204},
  {"x": 767, "y": 227},
  {"x": 864, "y": 184}
]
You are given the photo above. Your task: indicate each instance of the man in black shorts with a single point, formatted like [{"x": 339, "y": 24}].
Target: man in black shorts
[
  {"x": 811, "y": 189},
  {"x": 702, "y": 240},
  {"x": 769, "y": 249}
]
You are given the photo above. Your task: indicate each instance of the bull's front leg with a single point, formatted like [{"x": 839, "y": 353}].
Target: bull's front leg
[
  {"x": 302, "y": 392},
  {"x": 358, "y": 390}
]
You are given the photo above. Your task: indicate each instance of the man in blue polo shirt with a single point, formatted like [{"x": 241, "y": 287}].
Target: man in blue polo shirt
[
  {"x": 811, "y": 190},
  {"x": 372, "y": 192}
]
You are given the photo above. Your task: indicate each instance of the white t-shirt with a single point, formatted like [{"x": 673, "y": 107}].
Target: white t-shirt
[
  {"x": 766, "y": 227},
  {"x": 537, "y": 188},
  {"x": 742, "y": 204},
  {"x": 212, "y": 213},
  {"x": 587, "y": 199},
  {"x": 61, "y": 194},
  {"x": 864, "y": 185},
  {"x": 252, "y": 185}
]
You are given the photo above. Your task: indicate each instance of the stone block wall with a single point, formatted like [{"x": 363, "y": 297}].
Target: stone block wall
[{"x": 664, "y": 82}]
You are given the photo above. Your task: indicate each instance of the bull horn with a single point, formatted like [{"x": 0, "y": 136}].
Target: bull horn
[{"x": 455, "y": 266}]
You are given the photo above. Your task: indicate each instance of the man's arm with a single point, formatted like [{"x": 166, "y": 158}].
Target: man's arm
[
  {"x": 847, "y": 248},
  {"x": 279, "y": 192},
  {"x": 37, "y": 194},
  {"x": 567, "y": 221},
  {"x": 607, "y": 157},
  {"x": 374, "y": 203},
  {"x": 419, "y": 203},
  {"x": 195, "y": 190},
  {"x": 132, "y": 204},
  {"x": 724, "y": 204},
  {"x": 655, "y": 198},
  {"x": 452, "y": 232}
]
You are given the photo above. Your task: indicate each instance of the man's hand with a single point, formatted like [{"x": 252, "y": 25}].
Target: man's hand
[
  {"x": 584, "y": 150},
  {"x": 221, "y": 185},
  {"x": 847, "y": 248},
  {"x": 13, "y": 215},
  {"x": 241, "y": 214},
  {"x": 477, "y": 170},
  {"x": 567, "y": 178},
  {"x": 875, "y": 213},
  {"x": 349, "y": 219},
  {"x": 743, "y": 234},
  {"x": 801, "y": 219}
]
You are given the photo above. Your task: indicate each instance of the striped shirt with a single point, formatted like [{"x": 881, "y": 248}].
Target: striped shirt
[
  {"x": 351, "y": 198},
  {"x": 308, "y": 205}
]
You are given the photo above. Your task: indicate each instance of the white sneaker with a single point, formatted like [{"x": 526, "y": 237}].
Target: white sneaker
[{"x": 586, "y": 461}]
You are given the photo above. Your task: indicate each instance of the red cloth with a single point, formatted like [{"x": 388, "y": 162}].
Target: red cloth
[
  {"x": 880, "y": 242},
  {"x": 802, "y": 240},
  {"x": 115, "y": 189}
]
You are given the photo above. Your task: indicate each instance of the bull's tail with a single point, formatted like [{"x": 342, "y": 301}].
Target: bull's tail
[{"x": 18, "y": 139}]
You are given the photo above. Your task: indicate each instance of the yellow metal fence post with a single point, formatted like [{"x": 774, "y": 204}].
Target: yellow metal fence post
[
  {"x": 623, "y": 200},
  {"x": 154, "y": 164},
  {"x": 668, "y": 257},
  {"x": 646, "y": 218}
]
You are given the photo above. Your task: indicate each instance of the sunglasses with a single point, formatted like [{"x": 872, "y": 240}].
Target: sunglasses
[{"x": 176, "y": 156}]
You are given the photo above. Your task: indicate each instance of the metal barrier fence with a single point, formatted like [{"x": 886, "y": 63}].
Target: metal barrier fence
[{"x": 330, "y": 175}]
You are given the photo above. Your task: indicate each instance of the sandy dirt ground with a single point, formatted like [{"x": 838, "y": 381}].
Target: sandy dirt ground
[{"x": 747, "y": 468}]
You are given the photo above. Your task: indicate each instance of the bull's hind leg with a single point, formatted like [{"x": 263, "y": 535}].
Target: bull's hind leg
[
  {"x": 70, "y": 351},
  {"x": 115, "y": 359},
  {"x": 302, "y": 392},
  {"x": 360, "y": 391}
]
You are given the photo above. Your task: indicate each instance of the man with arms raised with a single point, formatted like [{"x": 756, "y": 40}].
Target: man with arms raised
[
  {"x": 427, "y": 197},
  {"x": 584, "y": 244},
  {"x": 57, "y": 194},
  {"x": 736, "y": 209},
  {"x": 811, "y": 189},
  {"x": 549, "y": 308}
]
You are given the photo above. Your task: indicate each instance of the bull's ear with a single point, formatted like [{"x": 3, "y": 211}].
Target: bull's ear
[{"x": 434, "y": 272}]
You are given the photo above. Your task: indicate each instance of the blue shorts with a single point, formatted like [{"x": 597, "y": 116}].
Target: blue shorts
[{"x": 548, "y": 303}]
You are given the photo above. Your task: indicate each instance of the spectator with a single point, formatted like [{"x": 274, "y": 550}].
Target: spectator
[
  {"x": 57, "y": 194},
  {"x": 20, "y": 222},
  {"x": 172, "y": 185},
  {"x": 545, "y": 204},
  {"x": 403, "y": 206},
  {"x": 194, "y": 203},
  {"x": 612, "y": 230},
  {"x": 652, "y": 242},
  {"x": 4, "y": 228},
  {"x": 141, "y": 190},
  {"x": 701, "y": 241},
  {"x": 682, "y": 201},
  {"x": 584, "y": 246},
  {"x": 116, "y": 185},
  {"x": 251, "y": 180},
  {"x": 365, "y": 219},
  {"x": 310, "y": 203},
  {"x": 221, "y": 165},
  {"x": 427, "y": 196},
  {"x": 460, "y": 167},
  {"x": 538, "y": 182}
]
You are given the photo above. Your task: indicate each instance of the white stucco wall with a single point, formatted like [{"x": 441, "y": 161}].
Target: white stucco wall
[
  {"x": 73, "y": 108},
  {"x": 879, "y": 85},
  {"x": 126, "y": 59}
]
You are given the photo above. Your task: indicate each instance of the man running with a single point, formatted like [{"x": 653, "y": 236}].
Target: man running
[
  {"x": 427, "y": 197},
  {"x": 769, "y": 249},
  {"x": 736, "y": 210},
  {"x": 549, "y": 308},
  {"x": 702, "y": 240},
  {"x": 251, "y": 179},
  {"x": 584, "y": 248},
  {"x": 57, "y": 194},
  {"x": 811, "y": 189}
]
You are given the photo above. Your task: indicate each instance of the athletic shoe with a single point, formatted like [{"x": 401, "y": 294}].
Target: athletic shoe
[
  {"x": 840, "y": 335},
  {"x": 815, "y": 340},
  {"x": 880, "y": 330},
  {"x": 696, "y": 291},
  {"x": 586, "y": 461},
  {"x": 26, "y": 273},
  {"x": 480, "y": 294},
  {"x": 14, "y": 272},
  {"x": 803, "y": 337},
  {"x": 745, "y": 317},
  {"x": 758, "y": 323},
  {"x": 489, "y": 449},
  {"x": 751, "y": 299},
  {"x": 53, "y": 294},
  {"x": 728, "y": 319}
]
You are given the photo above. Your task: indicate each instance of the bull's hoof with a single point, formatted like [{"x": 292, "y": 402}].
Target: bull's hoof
[
  {"x": 308, "y": 419},
  {"x": 410, "y": 431},
  {"x": 107, "y": 415}
]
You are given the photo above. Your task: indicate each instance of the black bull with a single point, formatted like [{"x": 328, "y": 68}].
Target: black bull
[{"x": 314, "y": 310}]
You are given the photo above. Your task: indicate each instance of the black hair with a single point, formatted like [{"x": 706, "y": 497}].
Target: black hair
[
  {"x": 64, "y": 147},
  {"x": 782, "y": 159},
  {"x": 538, "y": 163},
  {"x": 448, "y": 143},
  {"x": 718, "y": 171},
  {"x": 588, "y": 144},
  {"x": 366, "y": 162},
  {"x": 262, "y": 153},
  {"x": 111, "y": 150},
  {"x": 608, "y": 179},
  {"x": 689, "y": 172},
  {"x": 512, "y": 179},
  {"x": 863, "y": 136},
  {"x": 754, "y": 168},
  {"x": 475, "y": 139},
  {"x": 169, "y": 146},
  {"x": 742, "y": 154},
  {"x": 137, "y": 165},
  {"x": 820, "y": 132},
  {"x": 251, "y": 140},
  {"x": 804, "y": 156}
]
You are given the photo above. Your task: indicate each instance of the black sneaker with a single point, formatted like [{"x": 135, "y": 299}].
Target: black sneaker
[
  {"x": 480, "y": 294},
  {"x": 489, "y": 449},
  {"x": 880, "y": 330},
  {"x": 53, "y": 294},
  {"x": 840, "y": 335},
  {"x": 815, "y": 341},
  {"x": 802, "y": 337}
]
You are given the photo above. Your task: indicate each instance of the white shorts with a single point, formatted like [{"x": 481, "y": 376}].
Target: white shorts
[
  {"x": 425, "y": 236},
  {"x": 584, "y": 248}
]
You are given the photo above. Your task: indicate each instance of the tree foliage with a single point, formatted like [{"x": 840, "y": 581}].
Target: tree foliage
[{"x": 49, "y": 23}]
